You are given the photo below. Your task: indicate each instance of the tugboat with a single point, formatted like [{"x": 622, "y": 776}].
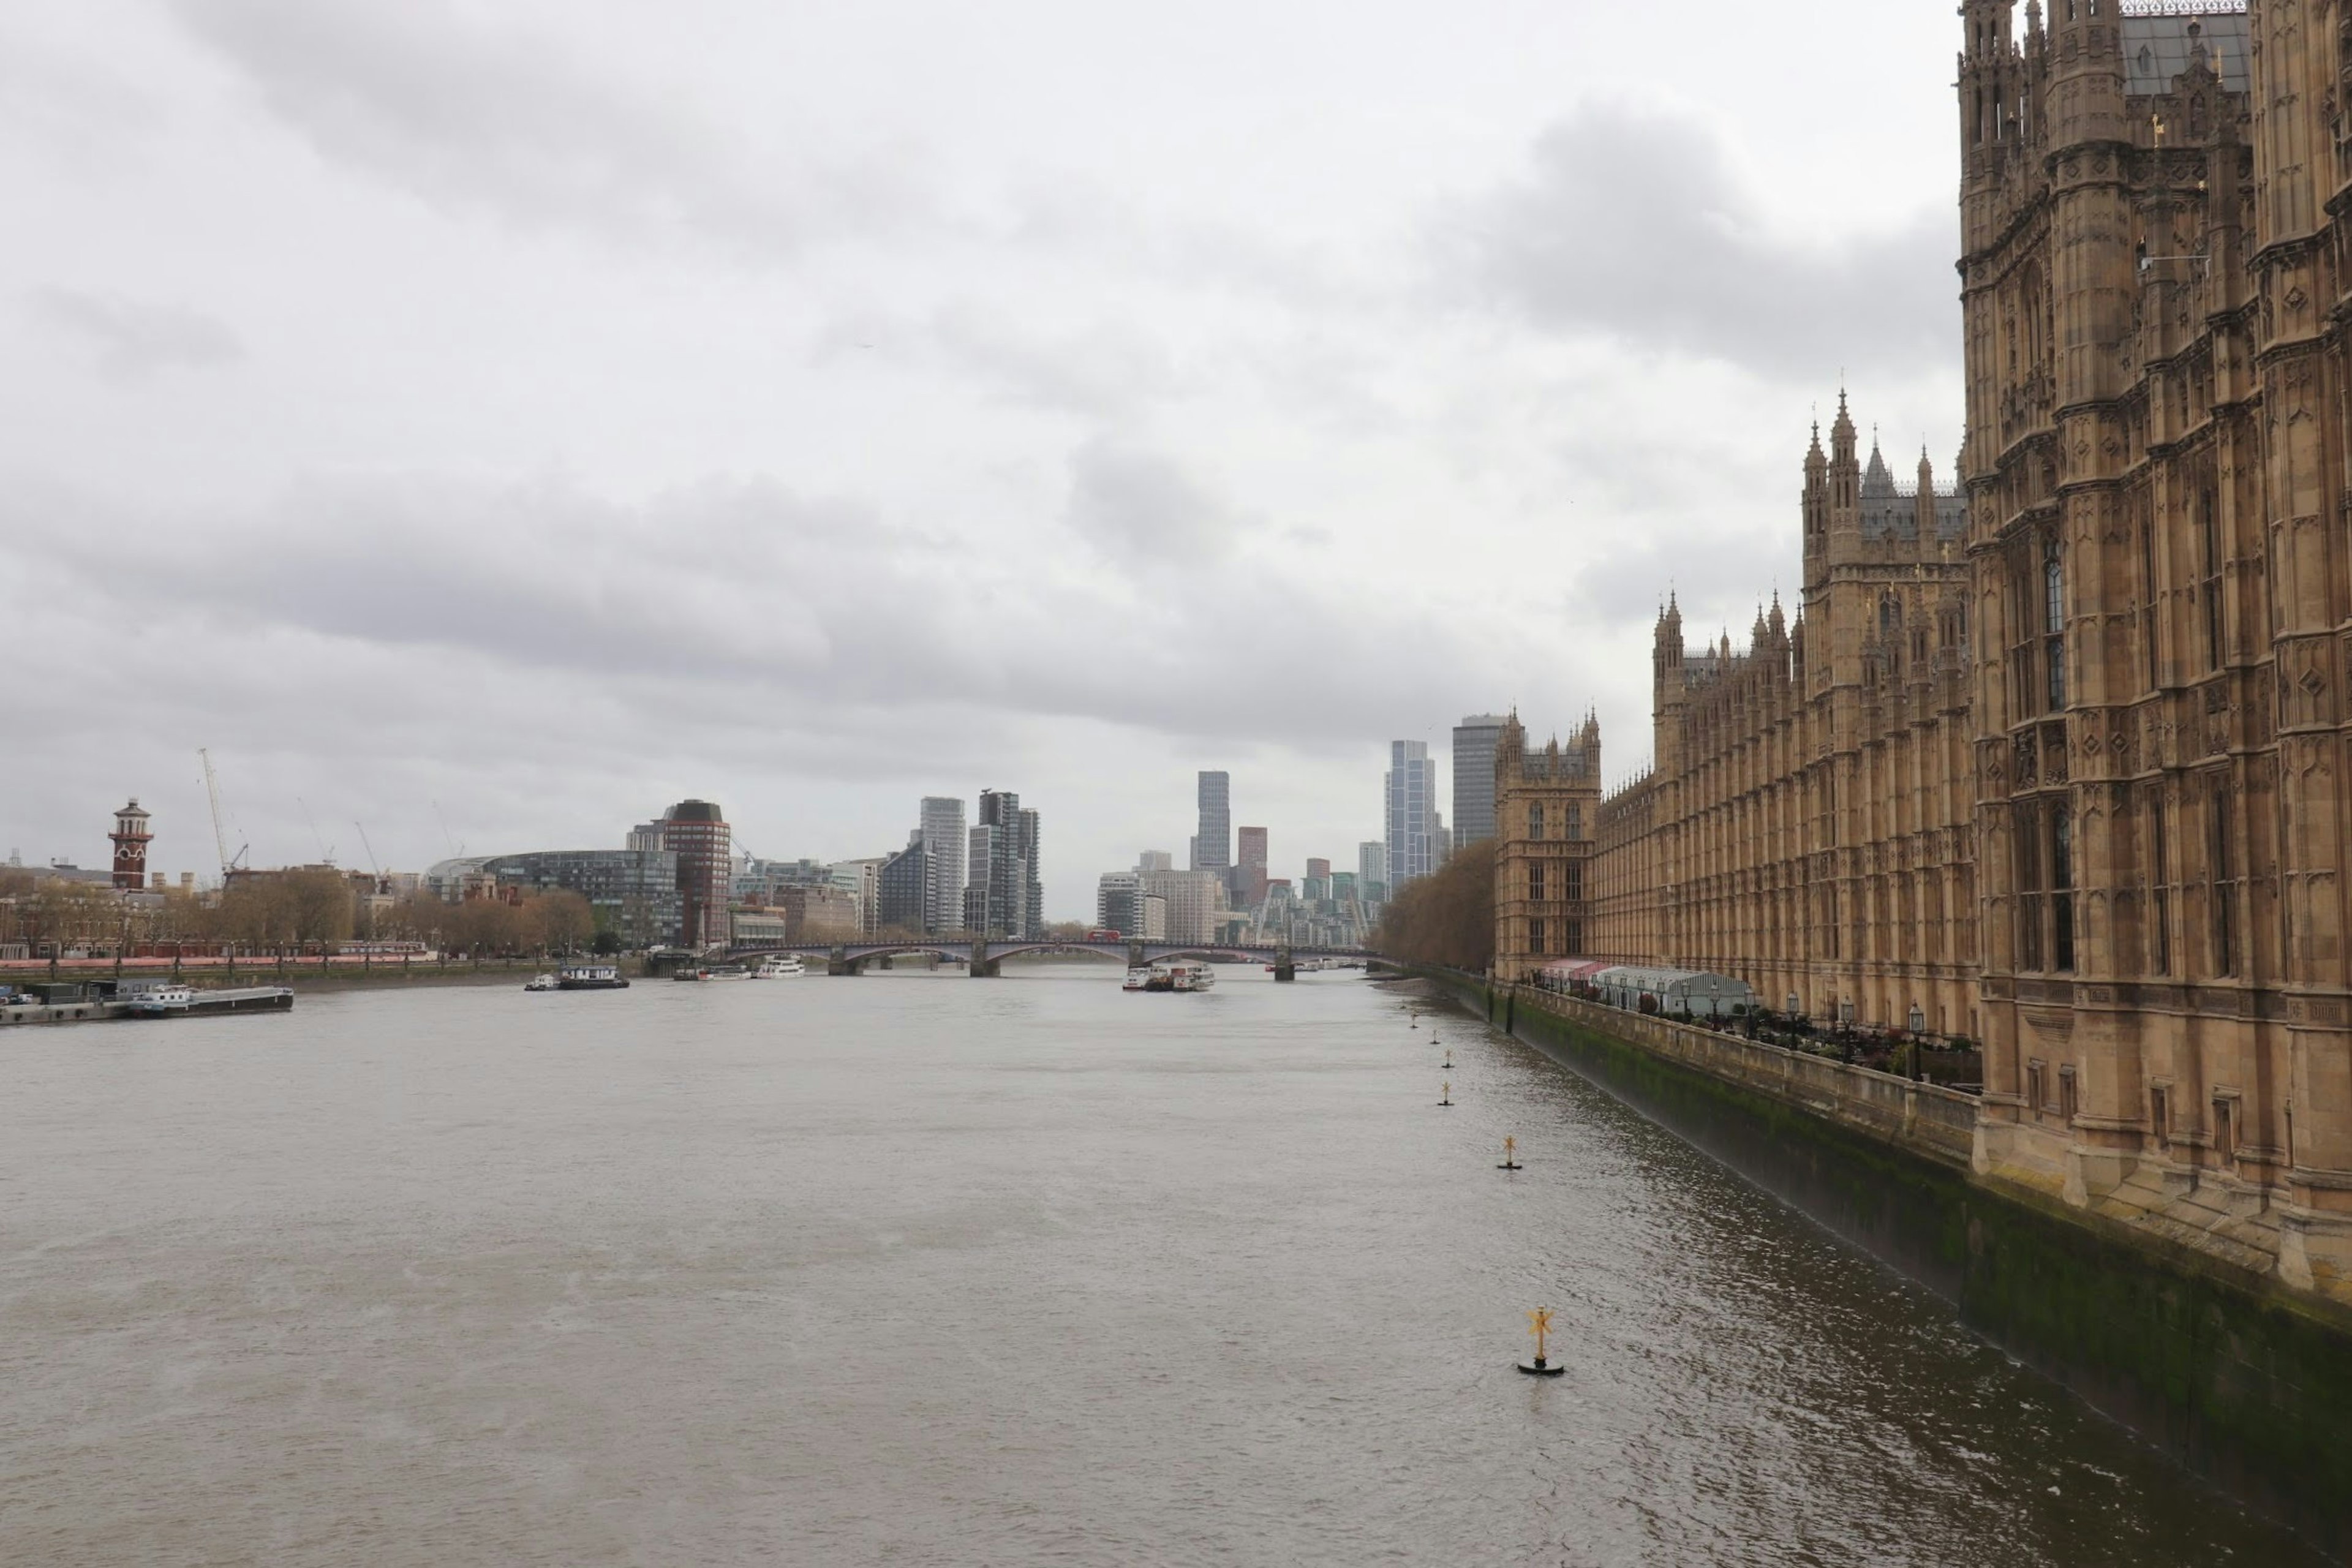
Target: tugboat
[
  {"x": 591, "y": 977},
  {"x": 540, "y": 982}
]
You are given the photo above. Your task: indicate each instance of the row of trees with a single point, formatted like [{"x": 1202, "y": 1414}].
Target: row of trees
[
  {"x": 1446, "y": 917},
  {"x": 292, "y": 910}
]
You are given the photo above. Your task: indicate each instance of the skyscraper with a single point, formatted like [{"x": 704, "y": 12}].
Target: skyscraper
[
  {"x": 1033, "y": 918},
  {"x": 1212, "y": 846},
  {"x": 1010, "y": 891},
  {"x": 1155, "y": 860},
  {"x": 1371, "y": 872},
  {"x": 942, "y": 833},
  {"x": 1410, "y": 798},
  {"x": 1248, "y": 881},
  {"x": 1474, "y": 777}
]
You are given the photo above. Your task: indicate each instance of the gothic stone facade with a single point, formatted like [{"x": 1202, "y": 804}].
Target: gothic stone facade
[
  {"x": 1547, "y": 803},
  {"x": 2087, "y": 797},
  {"x": 2158, "y": 307},
  {"x": 1807, "y": 824}
]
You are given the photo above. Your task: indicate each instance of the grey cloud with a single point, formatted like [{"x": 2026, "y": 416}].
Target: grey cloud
[
  {"x": 1131, "y": 502},
  {"x": 695, "y": 597},
  {"x": 1632, "y": 223},
  {"x": 136, "y": 340},
  {"x": 467, "y": 118}
]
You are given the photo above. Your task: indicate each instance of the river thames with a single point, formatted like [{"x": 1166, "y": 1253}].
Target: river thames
[{"x": 918, "y": 1269}]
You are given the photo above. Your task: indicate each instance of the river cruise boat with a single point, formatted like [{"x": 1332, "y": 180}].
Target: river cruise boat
[
  {"x": 782, "y": 967},
  {"x": 714, "y": 972},
  {"x": 1185, "y": 974},
  {"x": 592, "y": 977},
  {"x": 1137, "y": 979},
  {"x": 176, "y": 1000},
  {"x": 540, "y": 982}
]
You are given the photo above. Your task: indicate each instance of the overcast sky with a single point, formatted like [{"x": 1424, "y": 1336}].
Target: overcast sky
[{"x": 548, "y": 409}]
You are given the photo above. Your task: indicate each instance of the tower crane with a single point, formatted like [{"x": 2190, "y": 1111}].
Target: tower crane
[
  {"x": 376, "y": 867},
  {"x": 220, "y": 834}
]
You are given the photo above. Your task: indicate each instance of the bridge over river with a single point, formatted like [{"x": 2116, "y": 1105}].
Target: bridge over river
[{"x": 985, "y": 953}]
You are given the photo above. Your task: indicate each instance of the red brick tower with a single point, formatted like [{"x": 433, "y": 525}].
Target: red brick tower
[{"x": 131, "y": 837}]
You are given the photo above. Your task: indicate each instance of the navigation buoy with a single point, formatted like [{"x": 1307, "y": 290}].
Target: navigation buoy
[
  {"x": 1446, "y": 1094},
  {"x": 1539, "y": 1367},
  {"x": 1449, "y": 1061},
  {"x": 1511, "y": 1147}
]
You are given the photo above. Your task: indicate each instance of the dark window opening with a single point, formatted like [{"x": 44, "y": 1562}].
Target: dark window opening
[
  {"x": 2062, "y": 898},
  {"x": 2054, "y": 626},
  {"x": 2225, "y": 1135},
  {"x": 2159, "y": 1116},
  {"x": 2225, "y": 954},
  {"x": 2069, "y": 1097}
]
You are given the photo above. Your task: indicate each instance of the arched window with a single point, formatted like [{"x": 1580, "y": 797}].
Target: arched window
[
  {"x": 1534, "y": 820},
  {"x": 2054, "y": 622}
]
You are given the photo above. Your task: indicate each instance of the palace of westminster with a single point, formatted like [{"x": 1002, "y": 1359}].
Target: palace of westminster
[{"x": 2056, "y": 759}]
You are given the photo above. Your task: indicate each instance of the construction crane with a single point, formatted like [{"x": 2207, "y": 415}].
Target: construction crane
[
  {"x": 376, "y": 867},
  {"x": 220, "y": 834},
  {"x": 326, "y": 850}
]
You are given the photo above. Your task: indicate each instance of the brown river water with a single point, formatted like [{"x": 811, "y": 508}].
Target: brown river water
[{"x": 921, "y": 1270}]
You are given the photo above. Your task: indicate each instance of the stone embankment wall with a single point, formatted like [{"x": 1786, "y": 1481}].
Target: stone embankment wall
[
  {"x": 2243, "y": 1381},
  {"x": 1925, "y": 1118}
]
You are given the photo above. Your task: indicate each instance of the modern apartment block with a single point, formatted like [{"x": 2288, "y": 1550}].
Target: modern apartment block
[
  {"x": 941, "y": 830},
  {"x": 1410, "y": 808},
  {"x": 1372, "y": 872},
  {"x": 903, "y": 888}
]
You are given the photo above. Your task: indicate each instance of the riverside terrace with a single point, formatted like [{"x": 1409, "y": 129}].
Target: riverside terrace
[{"x": 984, "y": 955}]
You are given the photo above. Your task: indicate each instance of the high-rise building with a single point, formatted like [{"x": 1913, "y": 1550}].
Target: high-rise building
[
  {"x": 131, "y": 839},
  {"x": 1194, "y": 899},
  {"x": 903, "y": 888},
  {"x": 1410, "y": 808},
  {"x": 1033, "y": 924},
  {"x": 1212, "y": 846},
  {"x": 1153, "y": 860},
  {"x": 1010, "y": 897},
  {"x": 697, "y": 833},
  {"x": 1371, "y": 872},
  {"x": 1474, "y": 777},
  {"x": 942, "y": 832},
  {"x": 979, "y": 878},
  {"x": 1118, "y": 903},
  {"x": 863, "y": 880},
  {"x": 1248, "y": 882}
]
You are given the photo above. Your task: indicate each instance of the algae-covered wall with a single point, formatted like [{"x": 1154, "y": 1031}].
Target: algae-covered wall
[{"x": 2243, "y": 1382}]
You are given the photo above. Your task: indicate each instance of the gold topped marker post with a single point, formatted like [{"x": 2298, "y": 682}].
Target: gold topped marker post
[
  {"x": 1445, "y": 1094},
  {"x": 1541, "y": 1320},
  {"x": 1510, "y": 1161}
]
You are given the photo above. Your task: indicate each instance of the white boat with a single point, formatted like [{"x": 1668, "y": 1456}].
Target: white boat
[
  {"x": 1190, "y": 976},
  {"x": 782, "y": 967},
  {"x": 1137, "y": 980},
  {"x": 540, "y": 982},
  {"x": 726, "y": 971}
]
